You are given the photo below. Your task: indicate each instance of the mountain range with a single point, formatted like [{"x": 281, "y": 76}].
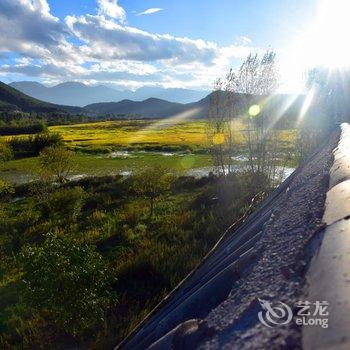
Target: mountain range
[
  {"x": 280, "y": 108},
  {"x": 79, "y": 94},
  {"x": 12, "y": 100},
  {"x": 152, "y": 108}
]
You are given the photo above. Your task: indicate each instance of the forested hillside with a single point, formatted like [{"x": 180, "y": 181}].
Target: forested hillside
[{"x": 13, "y": 100}]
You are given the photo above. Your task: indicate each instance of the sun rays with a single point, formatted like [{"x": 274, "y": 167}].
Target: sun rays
[{"x": 142, "y": 134}]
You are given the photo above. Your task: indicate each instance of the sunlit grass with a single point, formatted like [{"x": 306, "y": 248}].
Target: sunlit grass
[
  {"x": 124, "y": 133},
  {"x": 21, "y": 170},
  {"x": 98, "y": 139},
  {"x": 116, "y": 134},
  {"x": 139, "y": 133},
  {"x": 288, "y": 136}
]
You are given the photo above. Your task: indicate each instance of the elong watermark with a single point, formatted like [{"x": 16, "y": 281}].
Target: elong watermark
[{"x": 307, "y": 313}]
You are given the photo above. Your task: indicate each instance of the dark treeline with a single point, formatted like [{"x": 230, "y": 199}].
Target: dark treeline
[
  {"x": 22, "y": 126},
  {"x": 50, "y": 119},
  {"x": 22, "y": 129},
  {"x": 30, "y": 146},
  {"x": 35, "y": 136}
]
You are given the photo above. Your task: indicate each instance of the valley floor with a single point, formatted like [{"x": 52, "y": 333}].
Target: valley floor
[
  {"x": 123, "y": 147},
  {"x": 146, "y": 244},
  {"x": 24, "y": 170}
]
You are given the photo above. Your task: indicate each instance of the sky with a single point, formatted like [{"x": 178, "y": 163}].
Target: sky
[{"x": 166, "y": 43}]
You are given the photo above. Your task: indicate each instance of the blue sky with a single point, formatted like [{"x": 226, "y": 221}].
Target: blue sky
[
  {"x": 267, "y": 22},
  {"x": 168, "y": 43}
]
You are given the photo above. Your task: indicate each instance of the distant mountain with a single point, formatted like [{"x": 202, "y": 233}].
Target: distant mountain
[
  {"x": 69, "y": 93},
  {"x": 79, "y": 94},
  {"x": 279, "y": 109},
  {"x": 151, "y": 108},
  {"x": 30, "y": 88},
  {"x": 171, "y": 94},
  {"x": 13, "y": 100}
]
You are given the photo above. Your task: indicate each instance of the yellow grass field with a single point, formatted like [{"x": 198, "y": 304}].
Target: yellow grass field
[
  {"x": 126, "y": 132},
  {"x": 165, "y": 140},
  {"x": 114, "y": 134},
  {"x": 133, "y": 133},
  {"x": 110, "y": 135}
]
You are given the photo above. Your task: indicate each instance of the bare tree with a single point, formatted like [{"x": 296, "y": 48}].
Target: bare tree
[
  {"x": 245, "y": 94},
  {"x": 225, "y": 107},
  {"x": 220, "y": 131}
]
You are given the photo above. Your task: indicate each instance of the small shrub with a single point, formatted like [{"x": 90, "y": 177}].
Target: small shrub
[
  {"x": 65, "y": 203},
  {"x": 5, "y": 152},
  {"x": 56, "y": 162}
]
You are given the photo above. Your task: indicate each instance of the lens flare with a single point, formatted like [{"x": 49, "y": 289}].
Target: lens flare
[
  {"x": 165, "y": 123},
  {"x": 254, "y": 110},
  {"x": 218, "y": 139},
  {"x": 283, "y": 108},
  {"x": 306, "y": 105},
  {"x": 187, "y": 162}
]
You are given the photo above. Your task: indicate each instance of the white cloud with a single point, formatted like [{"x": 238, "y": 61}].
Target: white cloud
[
  {"x": 29, "y": 29},
  {"x": 43, "y": 70},
  {"x": 41, "y": 6},
  {"x": 246, "y": 39},
  {"x": 106, "y": 39},
  {"x": 103, "y": 48},
  {"x": 110, "y": 8},
  {"x": 23, "y": 61},
  {"x": 150, "y": 11},
  {"x": 132, "y": 67},
  {"x": 27, "y": 26}
]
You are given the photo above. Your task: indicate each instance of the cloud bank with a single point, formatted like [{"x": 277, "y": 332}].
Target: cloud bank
[{"x": 101, "y": 47}]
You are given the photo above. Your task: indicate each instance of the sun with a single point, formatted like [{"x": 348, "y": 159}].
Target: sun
[
  {"x": 334, "y": 29},
  {"x": 323, "y": 42},
  {"x": 327, "y": 42}
]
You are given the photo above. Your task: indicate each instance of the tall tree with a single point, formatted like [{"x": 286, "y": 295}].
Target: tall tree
[
  {"x": 152, "y": 183},
  {"x": 244, "y": 94}
]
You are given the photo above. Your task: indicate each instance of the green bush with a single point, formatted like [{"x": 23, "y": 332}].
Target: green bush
[
  {"x": 69, "y": 280},
  {"x": 34, "y": 144},
  {"x": 152, "y": 183},
  {"x": 67, "y": 285},
  {"x": 5, "y": 152},
  {"x": 64, "y": 203},
  {"x": 23, "y": 127},
  {"x": 56, "y": 162}
]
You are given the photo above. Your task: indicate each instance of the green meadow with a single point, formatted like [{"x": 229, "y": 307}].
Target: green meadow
[
  {"x": 114, "y": 147},
  {"x": 22, "y": 170},
  {"x": 138, "y": 249}
]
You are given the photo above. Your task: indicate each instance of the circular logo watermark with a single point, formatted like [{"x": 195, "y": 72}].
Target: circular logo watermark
[{"x": 273, "y": 315}]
